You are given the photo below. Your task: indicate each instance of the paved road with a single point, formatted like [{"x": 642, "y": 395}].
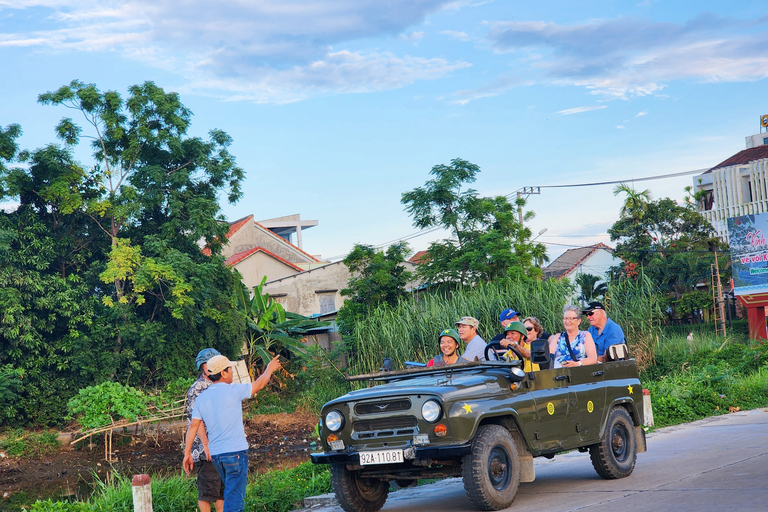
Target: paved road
[{"x": 718, "y": 464}]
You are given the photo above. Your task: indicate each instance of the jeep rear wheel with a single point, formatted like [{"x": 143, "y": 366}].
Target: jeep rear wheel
[
  {"x": 614, "y": 456},
  {"x": 357, "y": 494},
  {"x": 491, "y": 472}
]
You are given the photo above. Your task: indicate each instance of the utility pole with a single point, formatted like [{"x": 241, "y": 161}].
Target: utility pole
[{"x": 527, "y": 191}]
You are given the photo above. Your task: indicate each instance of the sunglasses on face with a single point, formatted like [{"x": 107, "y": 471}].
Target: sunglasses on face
[{"x": 529, "y": 329}]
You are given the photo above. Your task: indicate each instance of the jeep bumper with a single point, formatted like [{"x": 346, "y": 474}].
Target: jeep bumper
[{"x": 411, "y": 453}]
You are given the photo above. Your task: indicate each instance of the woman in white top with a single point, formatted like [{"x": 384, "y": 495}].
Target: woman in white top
[{"x": 572, "y": 347}]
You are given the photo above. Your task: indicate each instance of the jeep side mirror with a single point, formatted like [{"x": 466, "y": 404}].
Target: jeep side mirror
[{"x": 540, "y": 353}]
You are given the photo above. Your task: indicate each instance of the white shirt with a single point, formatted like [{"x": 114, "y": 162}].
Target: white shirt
[{"x": 475, "y": 348}]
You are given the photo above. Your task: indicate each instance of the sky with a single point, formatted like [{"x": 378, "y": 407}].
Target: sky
[{"x": 337, "y": 107}]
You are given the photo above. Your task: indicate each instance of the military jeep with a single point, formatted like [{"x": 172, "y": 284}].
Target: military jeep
[{"x": 483, "y": 421}]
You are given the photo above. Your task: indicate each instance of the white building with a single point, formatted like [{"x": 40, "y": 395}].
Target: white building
[{"x": 736, "y": 186}]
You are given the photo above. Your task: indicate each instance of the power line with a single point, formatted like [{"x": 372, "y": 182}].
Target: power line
[{"x": 631, "y": 180}]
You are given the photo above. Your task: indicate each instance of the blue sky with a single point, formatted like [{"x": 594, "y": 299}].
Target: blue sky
[{"x": 336, "y": 107}]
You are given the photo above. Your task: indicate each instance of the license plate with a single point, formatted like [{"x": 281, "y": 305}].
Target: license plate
[{"x": 381, "y": 457}]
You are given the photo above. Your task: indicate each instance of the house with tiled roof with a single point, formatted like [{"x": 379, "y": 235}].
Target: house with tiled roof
[
  {"x": 736, "y": 186},
  {"x": 257, "y": 251},
  {"x": 593, "y": 259}
]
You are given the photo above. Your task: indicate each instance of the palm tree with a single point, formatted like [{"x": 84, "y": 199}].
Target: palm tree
[
  {"x": 590, "y": 289},
  {"x": 635, "y": 203}
]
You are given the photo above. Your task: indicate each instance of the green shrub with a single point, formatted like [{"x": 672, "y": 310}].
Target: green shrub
[{"x": 98, "y": 406}]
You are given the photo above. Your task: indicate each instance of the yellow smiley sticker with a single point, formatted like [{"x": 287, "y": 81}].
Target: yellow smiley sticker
[
  {"x": 551, "y": 408},
  {"x": 590, "y": 406}
]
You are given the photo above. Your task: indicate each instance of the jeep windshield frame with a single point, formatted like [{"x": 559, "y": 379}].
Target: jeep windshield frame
[{"x": 447, "y": 369}]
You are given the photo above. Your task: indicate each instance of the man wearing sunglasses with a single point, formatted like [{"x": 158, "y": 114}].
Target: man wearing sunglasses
[{"x": 604, "y": 331}]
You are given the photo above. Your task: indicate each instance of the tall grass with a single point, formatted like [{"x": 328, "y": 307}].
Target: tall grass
[
  {"x": 635, "y": 304},
  {"x": 409, "y": 330}
]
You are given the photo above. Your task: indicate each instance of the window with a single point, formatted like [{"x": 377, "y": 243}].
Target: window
[{"x": 327, "y": 302}]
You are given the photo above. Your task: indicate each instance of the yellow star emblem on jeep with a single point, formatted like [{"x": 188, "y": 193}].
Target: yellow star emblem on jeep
[
  {"x": 630, "y": 389},
  {"x": 467, "y": 408}
]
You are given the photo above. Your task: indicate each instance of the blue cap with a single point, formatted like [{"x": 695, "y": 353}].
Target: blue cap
[
  {"x": 204, "y": 355},
  {"x": 507, "y": 314}
]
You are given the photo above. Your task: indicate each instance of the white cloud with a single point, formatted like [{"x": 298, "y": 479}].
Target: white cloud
[
  {"x": 641, "y": 114},
  {"x": 251, "y": 47},
  {"x": 461, "y": 36},
  {"x": 626, "y": 57},
  {"x": 579, "y": 110}
]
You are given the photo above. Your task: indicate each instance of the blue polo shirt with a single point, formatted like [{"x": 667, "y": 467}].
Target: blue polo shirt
[
  {"x": 221, "y": 408},
  {"x": 612, "y": 335}
]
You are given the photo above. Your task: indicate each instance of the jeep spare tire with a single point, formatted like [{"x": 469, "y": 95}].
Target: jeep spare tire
[{"x": 491, "y": 472}]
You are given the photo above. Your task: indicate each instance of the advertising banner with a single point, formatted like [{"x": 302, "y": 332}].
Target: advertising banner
[{"x": 749, "y": 253}]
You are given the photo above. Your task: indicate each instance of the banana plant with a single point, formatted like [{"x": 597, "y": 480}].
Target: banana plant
[{"x": 270, "y": 330}]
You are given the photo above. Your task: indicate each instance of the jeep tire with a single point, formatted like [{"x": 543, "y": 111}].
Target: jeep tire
[
  {"x": 357, "y": 494},
  {"x": 614, "y": 456},
  {"x": 491, "y": 472}
]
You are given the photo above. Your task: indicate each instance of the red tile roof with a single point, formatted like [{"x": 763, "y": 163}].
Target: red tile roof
[
  {"x": 233, "y": 228},
  {"x": 744, "y": 157},
  {"x": 240, "y": 256},
  {"x": 570, "y": 259},
  {"x": 419, "y": 258}
]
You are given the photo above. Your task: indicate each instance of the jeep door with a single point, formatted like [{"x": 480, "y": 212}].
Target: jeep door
[{"x": 553, "y": 430}]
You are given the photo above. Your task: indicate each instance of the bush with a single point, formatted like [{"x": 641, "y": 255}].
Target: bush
[{"x": 101, "y": 405}]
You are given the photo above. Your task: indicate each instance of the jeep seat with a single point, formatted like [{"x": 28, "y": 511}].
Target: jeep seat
[{"x": 617, "y": 353}]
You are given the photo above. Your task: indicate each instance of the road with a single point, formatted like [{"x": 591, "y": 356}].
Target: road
[{"x": 718, "y": 464}]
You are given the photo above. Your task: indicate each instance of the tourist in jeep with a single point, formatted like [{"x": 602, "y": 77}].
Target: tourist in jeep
[
  {"x": 572, "y": 347},
  {"x": 449, "y": 349},
  {"x": 516, "y": 339},
  {"x": 467, "y": 328}
]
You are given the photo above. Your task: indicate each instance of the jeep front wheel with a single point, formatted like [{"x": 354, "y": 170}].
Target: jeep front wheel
[
  {"x": 356, "y": 494},
  {"x": 491, "y": 472},
  {"x": 614, "y": 456}
]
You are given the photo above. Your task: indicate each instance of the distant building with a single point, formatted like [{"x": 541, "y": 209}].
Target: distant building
[
  {"x": 257, "y": 251},
  {"x": 592, "y": 259},
  {"x": 317, "y": 291},
  {"x": 736, "y": 186}
]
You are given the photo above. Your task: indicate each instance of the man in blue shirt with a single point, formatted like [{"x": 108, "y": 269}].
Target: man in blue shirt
[
  {"x": 604, "y": 331},
  {"x": 219, "y": 410}
]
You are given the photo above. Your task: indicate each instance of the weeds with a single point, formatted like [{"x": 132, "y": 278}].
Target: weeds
[{"x": 18, "y": 443}]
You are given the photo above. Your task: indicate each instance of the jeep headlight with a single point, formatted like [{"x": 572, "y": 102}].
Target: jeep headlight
[
  {"x": 334, "y": 420},
  {"x": 431, "y": 411}
]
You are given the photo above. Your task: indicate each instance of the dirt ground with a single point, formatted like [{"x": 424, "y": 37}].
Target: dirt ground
[{"x": 277, "y": 441}]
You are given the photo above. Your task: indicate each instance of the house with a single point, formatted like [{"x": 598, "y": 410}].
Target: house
[
  {"x": 316, "y": 291},
  {"x": 256, "y": 251},
  {"x": 736, "y": 186},
  {"x": 593, "y": 259}
]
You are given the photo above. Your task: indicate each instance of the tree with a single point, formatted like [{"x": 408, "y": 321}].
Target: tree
[
  {"x": 131, "y": 219},
  {"x": 487, "y": 240},
  {"x": 377, "y": 277},
  {"x": 591, "y": 287},
  {"x": 636, "y": 202},
  {"x": 673, "y": 244},
  {"x": 153, "y": 192}
]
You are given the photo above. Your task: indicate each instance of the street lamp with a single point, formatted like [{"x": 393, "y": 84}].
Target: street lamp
[{"x": 540, "y": 233}]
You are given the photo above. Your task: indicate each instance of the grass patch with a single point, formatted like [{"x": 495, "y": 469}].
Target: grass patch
[{"x": 18, "y": 443}]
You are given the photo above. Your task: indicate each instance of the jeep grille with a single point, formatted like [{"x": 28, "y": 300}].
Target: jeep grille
[
  {"x": 386, "y": 427},
  {"x": 383, "y": 407}
]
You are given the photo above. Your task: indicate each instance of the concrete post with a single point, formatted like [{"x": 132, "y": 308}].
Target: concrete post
[
  {"x": 647, "y": 409},
  {"x": 142, "y": 493}
]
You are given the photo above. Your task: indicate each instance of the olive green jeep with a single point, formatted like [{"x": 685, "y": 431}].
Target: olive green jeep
[{"x": 483, "y": 421}]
